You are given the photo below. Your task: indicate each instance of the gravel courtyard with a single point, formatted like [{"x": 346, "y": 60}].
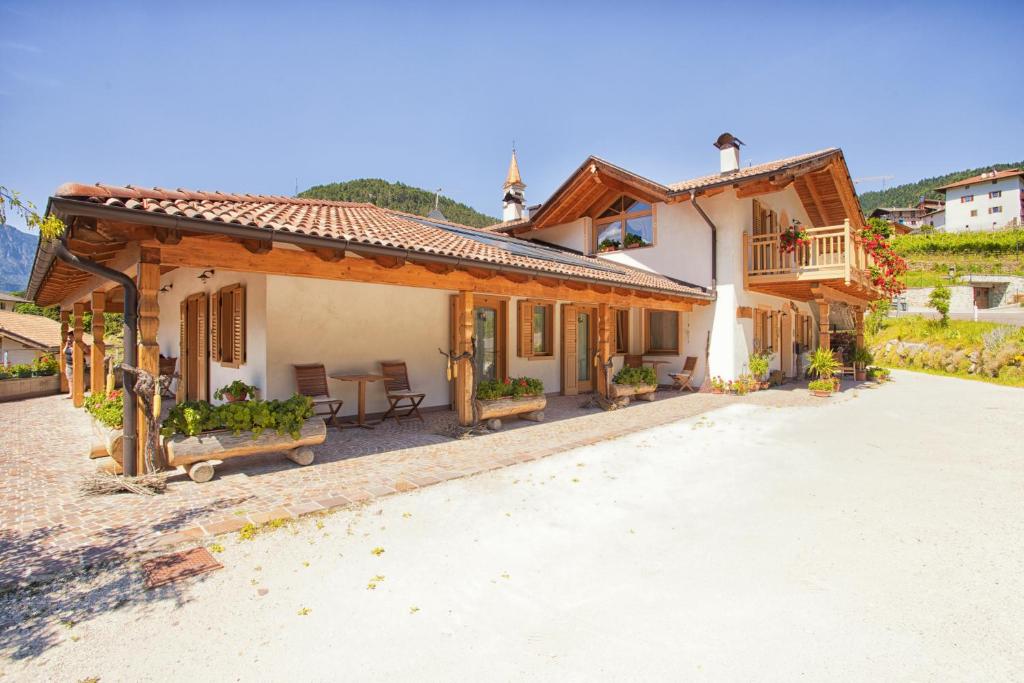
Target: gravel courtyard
[{"x": 875, "y": 538}]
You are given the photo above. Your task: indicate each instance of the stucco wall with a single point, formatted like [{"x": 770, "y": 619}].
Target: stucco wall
[
  {"x": 184, "y": 282},
  {"x": 15, "y": 353},
  {"x": 958, "y": 213}
]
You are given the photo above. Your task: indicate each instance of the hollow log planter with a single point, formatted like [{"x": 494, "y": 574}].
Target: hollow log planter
[
  {"x": 106, "y": 441},
  {"x": 526, "y": 408},
  {"x": 199, "y": 455},
  {"x": 641, "y": 392}
]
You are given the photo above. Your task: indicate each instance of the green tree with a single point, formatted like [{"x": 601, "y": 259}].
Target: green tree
[{"x": 939, "y": 300}]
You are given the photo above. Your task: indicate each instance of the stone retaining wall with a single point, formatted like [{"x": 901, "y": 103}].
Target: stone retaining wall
[
  {"x": 27, "y": 387},
  {"x": 1005, "y": 360}
]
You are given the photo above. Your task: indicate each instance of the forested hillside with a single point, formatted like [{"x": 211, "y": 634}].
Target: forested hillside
[
  {"x": 400, "y": 197},
  {"x": 17, "y": 249},
  {"x": 909, "y": 193}
]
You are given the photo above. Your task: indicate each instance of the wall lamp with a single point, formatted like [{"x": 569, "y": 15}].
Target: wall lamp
[{"x": 206, "y": 274}]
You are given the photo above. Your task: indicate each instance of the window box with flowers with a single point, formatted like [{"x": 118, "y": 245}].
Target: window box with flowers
[
  {"x": 794, "y": 236},
  {"x": 518, "y": 396}
]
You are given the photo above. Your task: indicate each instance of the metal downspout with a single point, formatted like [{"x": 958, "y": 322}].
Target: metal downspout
[
  {"x": 131, "y": 348},
  {"x": 714, "y": 245}
]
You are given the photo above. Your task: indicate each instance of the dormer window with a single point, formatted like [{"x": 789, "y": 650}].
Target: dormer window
[{"x": 627, "y": 224}]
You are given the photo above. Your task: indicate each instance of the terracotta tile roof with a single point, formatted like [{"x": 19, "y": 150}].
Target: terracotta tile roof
[
  {"x": 34, "y": 330},
  {"x": 367, "y": 224},
  {"x": 749, "y": 171},
  {"x": 983, "y": 177}
]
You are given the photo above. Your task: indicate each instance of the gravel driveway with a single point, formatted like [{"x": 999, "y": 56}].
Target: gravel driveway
[{"x": 877, "y": 538}]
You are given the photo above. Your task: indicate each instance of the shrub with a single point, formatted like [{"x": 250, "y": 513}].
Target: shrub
[
  {"x": 194, "y": 417},
  {"x": 758, "y": 364},
  {"x": 939, "y": 300},
  {"x": 821, "y": 385},
  {"x": 45, "y": 365},
  {"x": 823, "y": 363},
  {"x": 515, "y": 387},
  {"x": 108, "y": 409},
  {"x": 635, "y": 377}
]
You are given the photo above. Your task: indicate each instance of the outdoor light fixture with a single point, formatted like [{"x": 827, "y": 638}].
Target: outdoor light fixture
[
  {"x": 206, "y": 274},
  {"x": 166, "y": 288}
]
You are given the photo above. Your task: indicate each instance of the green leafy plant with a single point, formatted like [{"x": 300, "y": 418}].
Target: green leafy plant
[
  {"x": 823, "y": 363},
  {"x": 634, "y": 240},
  {"x": 939, "y": 300},
  {"x": 863, "y": 357},
  {"x": 514, "y": 387},
  {"x": 759, "y": 363},
  {"x": 821, "y": 385},
  {"x": 236, "y": 391},
  {"x": 108, "y": 409},
  {"x": 608, "y": 245},
  {"x": 717, "y": 384},
  {"x": 635, "y": 377},
  {"x": 194, "y": 417},
  {"x": 878, "y": 374},
  {"x": 50, "y": 227},
  {"x": 45, "y": 365}
]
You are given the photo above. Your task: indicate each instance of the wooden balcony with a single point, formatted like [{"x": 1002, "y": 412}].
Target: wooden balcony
[{"x": 834, "y": 263}]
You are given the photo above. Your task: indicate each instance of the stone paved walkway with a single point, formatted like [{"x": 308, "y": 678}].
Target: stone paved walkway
[{"x": 46, "y": 526}]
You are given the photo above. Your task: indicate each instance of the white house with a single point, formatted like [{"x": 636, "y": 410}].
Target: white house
[
  {"x": 984, "y": 202},
  {"x": 613, "y": 267}
]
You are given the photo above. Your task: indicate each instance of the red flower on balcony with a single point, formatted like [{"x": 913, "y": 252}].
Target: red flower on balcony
[{"x": 792, "y": 237}]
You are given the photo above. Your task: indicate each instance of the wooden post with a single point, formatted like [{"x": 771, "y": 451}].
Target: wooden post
[
  {"x": 464, "y": 344},
  {"x": 148, "y": 282},
  {"x": 824, "y": 336},
  {"x": 65, "y": 317},
  {"x": 99, "y": 347},
  {"x": 858, "y": 325},
  {"x": 78, "y": 359},
  {"x": 604, "y": 347}
]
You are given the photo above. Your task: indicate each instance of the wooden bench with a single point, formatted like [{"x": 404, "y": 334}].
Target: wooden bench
[{"x": 199, "y": 455}]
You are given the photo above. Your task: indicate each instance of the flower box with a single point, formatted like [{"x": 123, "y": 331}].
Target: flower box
[
  {"x": 526, "y": 408},
  {"x": 642, "y": 392},
  {"x": 199, "y": 454},
  {"x": 17, "y": 388}
]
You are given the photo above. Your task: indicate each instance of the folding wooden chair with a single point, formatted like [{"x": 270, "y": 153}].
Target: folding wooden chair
[
  {"x": 399, "y": 393},
  {"x": 844, "y": 368},
  {"x": 311, "y": 379},
  {"x": 681, "y": 380}
]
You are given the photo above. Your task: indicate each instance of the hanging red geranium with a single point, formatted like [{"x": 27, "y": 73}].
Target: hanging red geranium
[
  {"x": 794, "y": 236},
  {"x": 888, "y": 265}
]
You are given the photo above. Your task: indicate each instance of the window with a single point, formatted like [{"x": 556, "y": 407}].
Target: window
[
  {"x": 967, "y": 198},
  {"x": 766, "y": 330},
  {"x": 974, "y": 212},
  {"x": 536, "y": 329},
  {"x": 995, "y": 209},
  {"x": 764, "y": 220},
  {"x": 622, "y": 331},
  {"x": 662, "y": 333},
  {"x": 626, "y": 224},
  {"x": 227, "y": 326},
  {"x": 995, "y": 194}
]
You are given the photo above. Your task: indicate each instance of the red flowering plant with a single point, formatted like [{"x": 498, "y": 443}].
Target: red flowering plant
[
  {"x": 887, "y": 266},
  {"x": 794, "y": 236},
  {"x": 515, "y": 387}
]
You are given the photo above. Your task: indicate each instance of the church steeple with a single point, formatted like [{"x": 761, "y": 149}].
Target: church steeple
[{"x": 514, "y": 202}]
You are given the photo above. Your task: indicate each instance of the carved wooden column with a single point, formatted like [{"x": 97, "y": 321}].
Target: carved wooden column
[
  {"x": 65, "y": 317},
  {"x": 99, "y": 347},
  {"x": 824, "y": 336},
  {"x": 858, "y": 325},
  {"x": 464, "y": 344},
  {"x": 148, "y": 282},
  {"x": 604, "y": 347},
  {"x": 78, "y": 359}
]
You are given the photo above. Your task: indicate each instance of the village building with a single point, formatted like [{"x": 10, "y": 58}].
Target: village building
[
  {"x": 24, "y": 337},
  {"x": 985, "y": 202},
  {"x": 613, "y": 268}
]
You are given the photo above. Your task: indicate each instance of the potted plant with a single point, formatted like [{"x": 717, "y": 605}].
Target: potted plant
[
  {"x": 792, "y": 237},
  {"x": 641, "y": 382},
  {"x": 520, "y": 396},
  {"x": 634, "y": 241},
  {"x": 877, "y": 374},
  {"x": 825, "y": 366},
  {"x": 608, "y": 245},
  {"x": 862, "y": 358},
  {"x": 759, "y": 364},
  {"x": 236, "y": 391},
  {"x": 821, "y": 388},
  {"x": 717, "y": 385}
]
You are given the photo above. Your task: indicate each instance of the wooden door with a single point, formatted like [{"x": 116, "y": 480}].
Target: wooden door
[
  {"x": 579, "y": 340},
  {"x": 490, "y": 329},
  {"x": 193, "y": 354},
  {"x": 981, "y": 297},
  {"x": 787, "y": 344}
]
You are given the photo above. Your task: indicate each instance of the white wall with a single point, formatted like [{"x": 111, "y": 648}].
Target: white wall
[
  {"x": 185, "y": 282},
  {"x": 15, "y": 353},
  {"x": 958, "y": 214}
]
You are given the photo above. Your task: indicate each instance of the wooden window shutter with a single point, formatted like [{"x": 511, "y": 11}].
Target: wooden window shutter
[
  {"x": 202, "y": 391},
  {"x": 776, "y": 331},
  {"x": 774, "y": 222},
  {"x": 525, "y": 329},
  {"x": 238, "y": 323},
  {"x": 180, "y": 394},
  {"x": 757, "y": 217},
  {"x": 215, "y": 326}
]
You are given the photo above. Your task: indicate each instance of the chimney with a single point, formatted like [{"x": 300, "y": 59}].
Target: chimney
[{"x": 729, "y": 152}]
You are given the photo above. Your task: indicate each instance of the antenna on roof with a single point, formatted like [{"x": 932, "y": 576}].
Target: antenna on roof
[{"x": 437, "y": 198}]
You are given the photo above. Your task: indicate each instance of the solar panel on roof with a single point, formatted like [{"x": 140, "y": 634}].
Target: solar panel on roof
[{"x": 520, "y": 247}]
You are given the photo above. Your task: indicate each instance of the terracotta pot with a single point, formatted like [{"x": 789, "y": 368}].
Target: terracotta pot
[
  {"x": 717, "y": 391},
  {"x": 821, "y": 394},
  {"x": 634, "y": 245},
  {"x": 231, "y": 398}
]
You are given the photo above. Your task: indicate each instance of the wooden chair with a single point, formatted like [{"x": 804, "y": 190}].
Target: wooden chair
[
  {"x": 398, "y": 392},
  {"x": 311, "y": 379},
  {"x": 168, "y": 366},
  {"x": 844, "y": 369},
  {"x": 681, "y": 380}
]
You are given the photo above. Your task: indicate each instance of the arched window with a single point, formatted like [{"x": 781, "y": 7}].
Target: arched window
[{"x": 627, "y": 224}]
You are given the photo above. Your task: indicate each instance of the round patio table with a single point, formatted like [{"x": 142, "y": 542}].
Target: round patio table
[{"x": 361, "y": 420}]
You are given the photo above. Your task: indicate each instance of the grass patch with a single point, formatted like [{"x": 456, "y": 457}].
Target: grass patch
[
  {"x": 1009, "y": 241},
  {"x": 959, "y": 334}
]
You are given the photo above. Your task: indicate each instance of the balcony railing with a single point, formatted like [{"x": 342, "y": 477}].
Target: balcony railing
[{"x": 832, "y": 253}]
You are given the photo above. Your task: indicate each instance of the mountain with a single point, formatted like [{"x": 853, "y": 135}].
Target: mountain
[
  {"x": 909, "y": 193},
  {"x": 17, "y": 249},
  {"x": 400, "y": 197}
]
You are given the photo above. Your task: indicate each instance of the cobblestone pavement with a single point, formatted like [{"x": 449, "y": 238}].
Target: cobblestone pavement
[{"x": 46, "y": 526}]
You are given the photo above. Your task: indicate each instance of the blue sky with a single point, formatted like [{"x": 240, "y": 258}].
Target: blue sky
[{"x": 249, "y": 97}]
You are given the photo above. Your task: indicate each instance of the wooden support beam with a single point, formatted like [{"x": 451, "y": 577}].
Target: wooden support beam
[
  {"x": 824, "y": 336},
  {"x": 323, "y": 253},
  {"x": 605, "y": 317},
  {"x": 824, "y": 292},
  {"x": 438, "y": 268},
  {"x": 850, "y": 204},
  {"x": 65, "y": 318},
  {"x": 258, "y": 246},
  {"x": 812, "y": 190},
  {"x": 195, "y": 252},
  {"x": 389, "y": 261},
  {"x": 78, "y": 358},
  {"x": 762, "y": 187},
  {"x": 480, "y": 273},
  {"x": 98, "y": 352},
  {"x": 464, "y": 344},
  {"x": 148, "y": 282},
  {"x": 167, "y": 235}
]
